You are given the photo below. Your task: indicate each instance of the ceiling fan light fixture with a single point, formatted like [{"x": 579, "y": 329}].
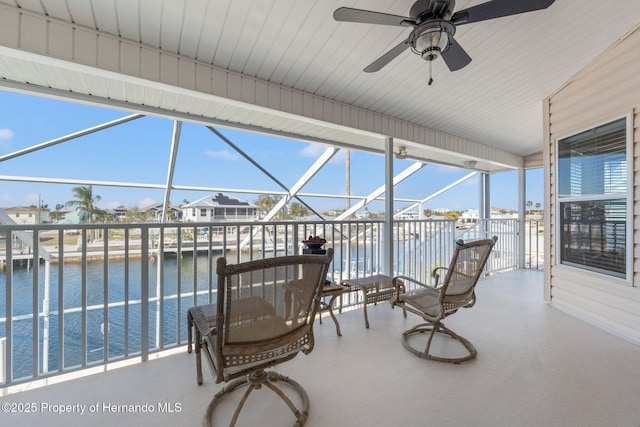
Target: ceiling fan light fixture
[
  {"x": 431, "y": 39},
  {"x": 430, "y": 44}
]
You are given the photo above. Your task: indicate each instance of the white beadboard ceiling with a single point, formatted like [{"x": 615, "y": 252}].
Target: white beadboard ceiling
[{"x": 275, "y": 53}]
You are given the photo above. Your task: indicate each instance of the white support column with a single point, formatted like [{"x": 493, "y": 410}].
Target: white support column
[
  {"x": 484, "y": 211},
  {"x": 522, "y": 215},
  {"x": 387, "y": 252},
  {"x": 481, "y": 212}
]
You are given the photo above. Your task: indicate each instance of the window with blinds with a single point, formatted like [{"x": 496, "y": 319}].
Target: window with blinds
[{"x": 592, "y": 197}]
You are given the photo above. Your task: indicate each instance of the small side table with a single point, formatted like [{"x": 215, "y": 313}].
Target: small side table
[
  {"x": 374, "y": 289},
  {"x": 208, "y": 313},
  {"x": 332, "y": 292}
]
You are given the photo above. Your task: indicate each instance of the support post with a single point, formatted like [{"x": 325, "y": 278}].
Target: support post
[
  {"x": 522, "y": 215},
  {"x": 387, "y": 254},
  {"x": 484, "y": 213}
]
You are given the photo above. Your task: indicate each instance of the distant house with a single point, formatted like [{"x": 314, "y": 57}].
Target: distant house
[
  {"x": 71, "y": 215},
  {"x": 28, "y": 215},
  {"x": 119, "y": 213},
  {"x": 470, "y": 216},
  {"x": 503, "y": 213},
  {"x": 408, "y": 215},
  {"x": 219, "y": 207},
  {"x": 155, "y": 211}
]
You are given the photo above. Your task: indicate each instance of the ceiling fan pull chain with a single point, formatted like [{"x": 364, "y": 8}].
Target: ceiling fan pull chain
[{"x": 430, "y": 73}]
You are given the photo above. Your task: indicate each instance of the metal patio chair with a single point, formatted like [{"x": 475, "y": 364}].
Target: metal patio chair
[
  {"x": 263, "y": 317},
  {"x": 444, "y": 298}
]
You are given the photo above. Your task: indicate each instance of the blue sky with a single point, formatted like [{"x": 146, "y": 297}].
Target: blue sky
[{"x": 138, "y": 151}]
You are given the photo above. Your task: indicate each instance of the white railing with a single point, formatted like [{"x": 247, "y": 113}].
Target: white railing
[
  {"x": 506, "y": 252},
  {"x": 108, "y": 292}
]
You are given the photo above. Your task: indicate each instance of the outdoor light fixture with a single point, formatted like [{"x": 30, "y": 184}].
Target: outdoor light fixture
[
  {"x": 469, "y": 164},
  {"x": 402, "y": 152}
]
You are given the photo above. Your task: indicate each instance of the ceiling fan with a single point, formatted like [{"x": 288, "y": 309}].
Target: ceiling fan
[{"x": 434, "y": 25}]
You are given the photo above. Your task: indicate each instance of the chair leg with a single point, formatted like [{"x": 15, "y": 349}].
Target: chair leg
[
  {"x": 432, "y": 329},
  {"x": 255, "y": 381},
  {"x": 198, "y": 345},
  {"x": 189, "y": 331}
]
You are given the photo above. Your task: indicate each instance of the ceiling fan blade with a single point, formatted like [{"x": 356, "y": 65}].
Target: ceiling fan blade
[
  {"x": 349, "y": 14},
  {"x": 455, "y": 56},
  {"x": 498, "y": 8},
  {"x": 387, "y": 57}
]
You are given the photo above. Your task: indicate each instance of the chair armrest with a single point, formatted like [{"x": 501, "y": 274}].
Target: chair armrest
[
  {"x": 399, "y": 283},
  {"x": 200, "y": 322},
  {"x": 436, "y": 276}
]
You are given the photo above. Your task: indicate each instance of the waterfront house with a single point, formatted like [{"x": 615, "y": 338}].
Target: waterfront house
[
  {"x": 557, "y": 89},
  {"x": 28, "y": 215},
  {"x": 154, "y": 211},
  {"x": 71, "y": 215},
  {"x": 118, "y": 213},
  {"x": 219, "y": 207}
]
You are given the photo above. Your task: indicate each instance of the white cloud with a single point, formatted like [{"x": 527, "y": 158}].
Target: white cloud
[
  {"x": 32, "y": 199},
  {"x": 311, "y": 150},
  {"x": 6, "y": 134},
  {"x": 315, "y": 150},
  {"x": 222, "y": 155},
  {"x": 114, "y": 204},
  {"x": 146, "y": 202}
]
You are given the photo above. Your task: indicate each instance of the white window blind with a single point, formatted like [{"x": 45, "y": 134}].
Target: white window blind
[{"x": 592, "y": 184}]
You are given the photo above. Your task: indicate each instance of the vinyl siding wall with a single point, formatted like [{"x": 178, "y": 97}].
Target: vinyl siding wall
[{"x": 607, "y": 89}]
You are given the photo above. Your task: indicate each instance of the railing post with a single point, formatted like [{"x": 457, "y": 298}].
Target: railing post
[
  {"x": 3, "y": 358},
  {"x": 8, "y": 346},
  {"x": 35, "y": 326},
  {"x": 144, "y": 294},
  {"x": 294, "y": 240}
]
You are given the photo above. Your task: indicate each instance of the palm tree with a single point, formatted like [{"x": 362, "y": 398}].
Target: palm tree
[
  {"x": 529, "y": 204},
  {"x": 57, "y": 214},
  {"x": 133, "y": 214},
  {"x": 266, "y": 202},
  {"x": 452, "y": 215},
  {"x": 85, "y": 202},
  {"x": 297, "y": 210}
]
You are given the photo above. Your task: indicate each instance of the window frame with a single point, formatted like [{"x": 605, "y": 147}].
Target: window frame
[{"x": 627, "y": 196}]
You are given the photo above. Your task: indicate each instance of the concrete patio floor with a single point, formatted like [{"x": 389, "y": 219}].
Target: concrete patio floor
[{"x": 536, "y": 366}]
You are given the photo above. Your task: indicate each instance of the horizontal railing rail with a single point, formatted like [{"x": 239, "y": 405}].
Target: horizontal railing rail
[{"x": 78, "y": 296}]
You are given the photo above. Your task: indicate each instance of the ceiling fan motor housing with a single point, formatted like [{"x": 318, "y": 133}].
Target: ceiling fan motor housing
[{"x": 423, "y": 10}]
